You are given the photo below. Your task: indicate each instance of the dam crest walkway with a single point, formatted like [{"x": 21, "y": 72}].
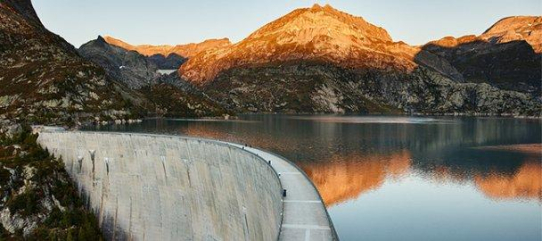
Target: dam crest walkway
[{"x": 305, "y": 216}]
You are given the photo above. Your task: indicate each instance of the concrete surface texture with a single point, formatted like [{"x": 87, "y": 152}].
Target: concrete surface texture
[
  {"x": 144, "y": 187},
  {"x": 156, "y": 187}
]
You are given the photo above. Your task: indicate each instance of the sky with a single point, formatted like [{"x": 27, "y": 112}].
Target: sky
[{"x": 180, "y": 21}]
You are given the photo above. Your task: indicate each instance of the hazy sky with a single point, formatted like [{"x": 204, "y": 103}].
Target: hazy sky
[{"x": 182, "y": 21}]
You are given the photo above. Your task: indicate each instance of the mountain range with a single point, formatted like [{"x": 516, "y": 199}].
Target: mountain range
[
  {"x": 320, "y": 59},
  {"x": 312, "y": 60}
]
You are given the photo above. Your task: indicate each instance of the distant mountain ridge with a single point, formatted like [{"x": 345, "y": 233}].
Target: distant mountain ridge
[{"x": 184, "y": 50}]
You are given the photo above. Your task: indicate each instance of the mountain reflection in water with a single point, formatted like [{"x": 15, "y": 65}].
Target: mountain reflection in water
[
  {"x": 341, "y": 178},
  {"x": 346, "y": 177}
]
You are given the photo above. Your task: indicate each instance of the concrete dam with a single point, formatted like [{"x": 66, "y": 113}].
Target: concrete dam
[{"x": 157, "y": 187}]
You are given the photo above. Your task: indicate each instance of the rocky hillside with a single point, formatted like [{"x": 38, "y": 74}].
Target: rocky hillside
[
  {"x": 44, "y": 79},
  {"x": 172, "y": 101},
  {"x": 320, "y": 59},
  {"x": 507, "y": 55},
  {"x": 128, "y": 67},
  {"x": 184, "y": 50}
]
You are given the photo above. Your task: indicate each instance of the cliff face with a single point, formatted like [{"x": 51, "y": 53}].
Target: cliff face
[
  {"x": 507, "y": 55},
  {"x": 186, "y": 50},
  {"x": 322, "y": 60},
  {"x": 44, "y": 79}
]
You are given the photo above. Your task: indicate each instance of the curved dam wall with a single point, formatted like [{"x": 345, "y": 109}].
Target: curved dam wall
[{"x": 150, "y": 187}]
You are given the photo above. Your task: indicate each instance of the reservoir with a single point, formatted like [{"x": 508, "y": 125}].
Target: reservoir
[{"x": 400, "y": 178}]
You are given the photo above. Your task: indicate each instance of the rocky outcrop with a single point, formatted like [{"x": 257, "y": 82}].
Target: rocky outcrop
[
  {"x": 184, "y": 50},
  {"x": 322, "y": 60},
  {"x": 44, "y": 79},
  {"x": 507, "y": 55},
  {"x": 128, "y": 67}
]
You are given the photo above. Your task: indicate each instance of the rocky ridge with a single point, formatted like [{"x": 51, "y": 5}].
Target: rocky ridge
[{"x": 184, "y": 50}]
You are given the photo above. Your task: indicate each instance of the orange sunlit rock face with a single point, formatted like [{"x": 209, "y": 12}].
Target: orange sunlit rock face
[
  {"x": 308, "y": 34},
  {"x": 528, "y": 28},
  {"x": 342, "y": 178},
  {"x": 186, "y": 50}
]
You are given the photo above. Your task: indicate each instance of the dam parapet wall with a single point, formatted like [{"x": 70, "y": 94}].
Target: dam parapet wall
[{"x": 152, "y": 187}]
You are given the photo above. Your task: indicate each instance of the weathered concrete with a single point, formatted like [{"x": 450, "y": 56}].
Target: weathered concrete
[{"x": 153, "y": 187}]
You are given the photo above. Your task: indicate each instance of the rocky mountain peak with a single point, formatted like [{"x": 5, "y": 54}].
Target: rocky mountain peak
[
  {"x": 308, "y": 24},
  {"x": 100, "y": 40},
  {"x": 307, "y": 34}
]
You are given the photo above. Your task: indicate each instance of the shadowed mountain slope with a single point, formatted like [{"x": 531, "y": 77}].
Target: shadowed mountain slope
[{"x": 507, "y": 55}]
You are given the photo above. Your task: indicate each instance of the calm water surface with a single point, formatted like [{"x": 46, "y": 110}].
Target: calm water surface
[{"x": 401, "y": 178}]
